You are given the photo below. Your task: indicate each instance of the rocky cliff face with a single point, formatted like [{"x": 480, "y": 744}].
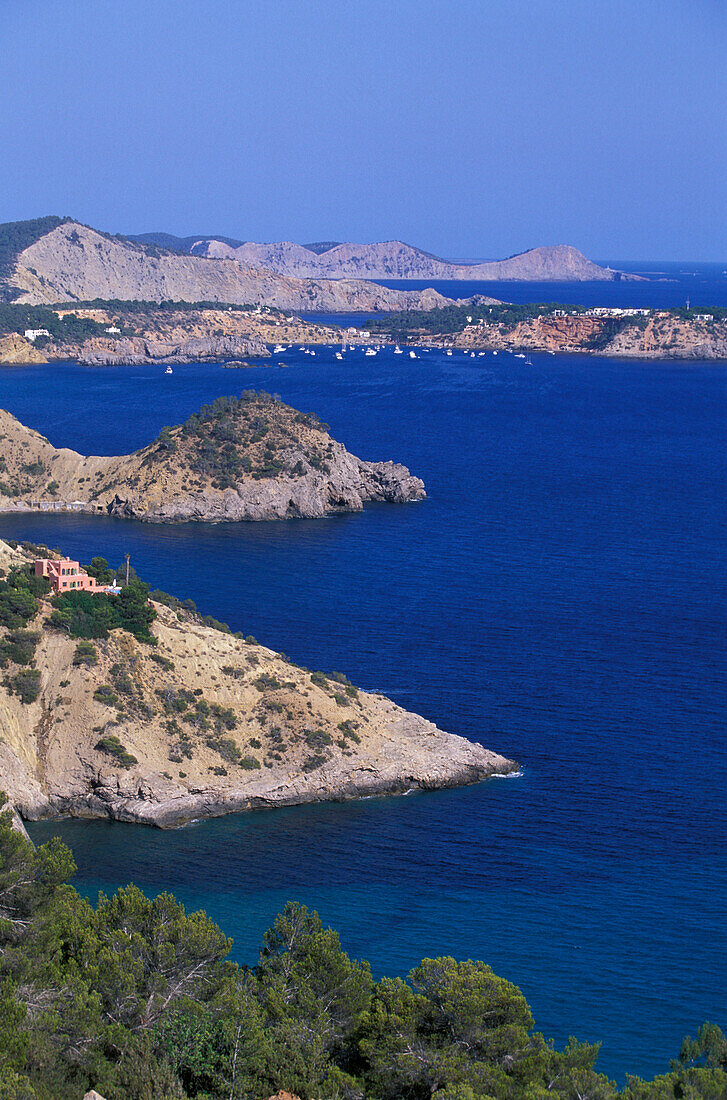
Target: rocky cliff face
[
  {"x": 248, "y": 459},
  {"x": 205, "y": 724},
  {"x": 75, "y": 263},
  {"x": 396, "y": 260}
]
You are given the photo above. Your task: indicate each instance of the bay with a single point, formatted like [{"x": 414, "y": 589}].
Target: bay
[{"x": 560, "y": 597}]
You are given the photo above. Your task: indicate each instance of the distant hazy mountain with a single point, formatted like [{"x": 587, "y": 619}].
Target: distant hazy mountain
[
  {"x": 52, "y": 260},
  {"x": 396, "y": 260}
]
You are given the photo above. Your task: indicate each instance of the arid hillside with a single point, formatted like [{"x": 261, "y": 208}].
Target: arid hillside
[
  {"x": 396, "y": 260},
  {"x": 167, "y": 718},
  {"x": 73, "y": 263}
]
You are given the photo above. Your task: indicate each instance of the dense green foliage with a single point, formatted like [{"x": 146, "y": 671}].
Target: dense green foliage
[
  {"x": 63, "y": 330},
  {"x": 15, "y": 237},
  {"x": 94, "y": 614},
  {"x": 137, "y": 999}
]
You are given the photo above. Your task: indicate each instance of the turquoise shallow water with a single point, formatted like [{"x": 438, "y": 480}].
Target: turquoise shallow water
[{"x": 559, "y": 596}]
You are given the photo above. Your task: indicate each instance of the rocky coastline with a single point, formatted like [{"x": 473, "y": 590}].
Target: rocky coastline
[
  {"x": 200, "y": 724},
  {"x": 275, "y": 463}
]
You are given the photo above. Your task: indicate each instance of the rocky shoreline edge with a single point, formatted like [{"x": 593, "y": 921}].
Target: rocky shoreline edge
[{"x": 112, "y": 802}]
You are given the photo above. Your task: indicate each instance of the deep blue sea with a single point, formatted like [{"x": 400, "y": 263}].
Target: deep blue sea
[{"x": 560, "y": 596}]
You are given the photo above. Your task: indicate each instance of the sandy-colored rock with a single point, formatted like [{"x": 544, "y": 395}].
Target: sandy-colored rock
[
  {"x": 396, "y": 260},
  {"x": 74, "y": 263},
  {"x": 16, "y": 349},
  {"x": 163, "y": 483}
]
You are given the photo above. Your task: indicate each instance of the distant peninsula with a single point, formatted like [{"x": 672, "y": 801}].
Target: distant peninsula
[
  {"x": 688, "y": 334},
  {"x": 242, "y": 458},
  {"x": 394, "y": 260}
]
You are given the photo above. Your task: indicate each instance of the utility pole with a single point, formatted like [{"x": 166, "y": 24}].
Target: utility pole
[{"x": 127, "y": 570}]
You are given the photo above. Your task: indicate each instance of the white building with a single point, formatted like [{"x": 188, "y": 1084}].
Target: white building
[
  {"x": 32, "y": 334},
  {"x": 113, "y": 330},
  {"x": 703, "y": 316}
]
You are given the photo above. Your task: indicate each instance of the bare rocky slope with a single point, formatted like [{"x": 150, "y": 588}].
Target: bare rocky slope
[
  {"x": 247, "y": 458},
  {"x": 203, "y": 724},
  {"x": 396, "y": 260},
  {"x": 73, "y": 263}
]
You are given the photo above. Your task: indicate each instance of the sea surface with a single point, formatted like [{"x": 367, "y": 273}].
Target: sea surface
[
  {"x": 560, "y": 597},
  {"x": 669, "y": 285}
]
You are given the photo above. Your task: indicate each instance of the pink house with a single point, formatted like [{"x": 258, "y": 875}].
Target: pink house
[{"x": 65, "y": 575}]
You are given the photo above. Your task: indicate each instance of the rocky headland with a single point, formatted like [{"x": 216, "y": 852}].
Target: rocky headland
[
  {"x": 193, "y": 721},
  {"x": 246, "y": 458}
]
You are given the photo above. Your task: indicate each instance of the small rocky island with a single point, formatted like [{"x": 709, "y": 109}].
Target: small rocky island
[
  {"x": 250, "y": 457},
  {"x": 116, "y": 705}
]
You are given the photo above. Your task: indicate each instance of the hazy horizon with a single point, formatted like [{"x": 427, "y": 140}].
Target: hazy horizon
[{"x": 469, "y": 129}]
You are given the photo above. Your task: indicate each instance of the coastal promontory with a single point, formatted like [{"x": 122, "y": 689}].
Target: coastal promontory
[
  {"x": 120, "y": 706},
  {"x": 250, "y": 457}
]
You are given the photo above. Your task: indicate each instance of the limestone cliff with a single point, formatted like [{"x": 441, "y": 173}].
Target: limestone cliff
[
  {"x": 203, "y": 724},
  {"x": 248, "y": 458},
  {"x": 74, "y": 263},
  {"x": 396, "y": 260}
]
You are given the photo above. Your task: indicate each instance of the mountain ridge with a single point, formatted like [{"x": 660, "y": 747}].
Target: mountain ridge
[
  {"x": 73, "y": 262},
  {"x": 396, "y": 259}
]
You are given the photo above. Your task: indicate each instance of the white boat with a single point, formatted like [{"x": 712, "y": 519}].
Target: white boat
[
  {"x": 519, "y": 355},
  {"x": 370, "y": 351},
  {"x": 412, "y": 355},
  {"x": 494, "y": 353},
  {"x": 169, "y": 371},
  {"x": 472, "y": 355},
  {"x": 448, "y": 352},
  {"x": 338, "y": 355},
  {"x": 397, "y": 350},
  {"x": 278, "y": 348}
]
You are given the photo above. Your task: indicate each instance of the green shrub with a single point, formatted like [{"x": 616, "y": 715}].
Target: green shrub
[
  {"x": 93, "y": 615},
  {"x": 19, "y": 646},
  {"x": 86, "y": 654},
  {"x": 313, "y": 762},
  {"x": 111, "y": 745},
  {"x": 104, "y": 693},
  {"x": 249, "y": 763},
  {"x": 26, "y": 684},
  {"x": 228, "y": 750}
]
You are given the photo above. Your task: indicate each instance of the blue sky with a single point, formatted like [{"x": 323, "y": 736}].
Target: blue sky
[{"x": 469, "y": 127}]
